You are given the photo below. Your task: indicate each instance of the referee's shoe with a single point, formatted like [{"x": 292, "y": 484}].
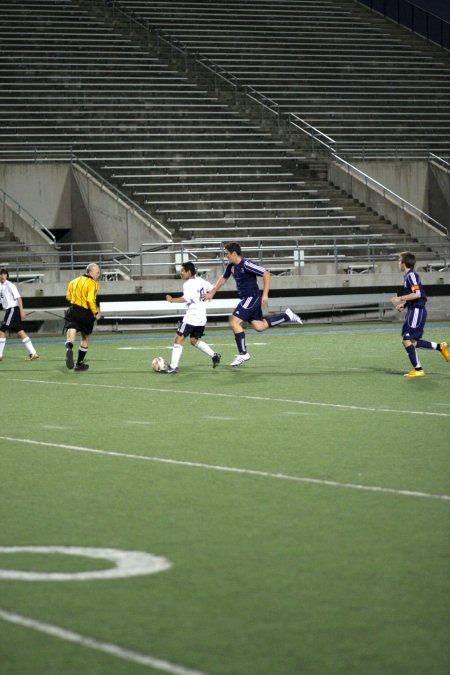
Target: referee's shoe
[{"x": 69, "y": 358}]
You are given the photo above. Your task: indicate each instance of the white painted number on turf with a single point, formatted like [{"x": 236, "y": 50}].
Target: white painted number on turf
[{"x": 126, "y": 563}]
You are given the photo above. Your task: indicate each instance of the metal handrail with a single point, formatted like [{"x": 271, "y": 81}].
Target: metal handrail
[
  {"x": 440, "y": 161},
  {"x": 315, "y": 134},
  {"x": 264, "y": 102}
]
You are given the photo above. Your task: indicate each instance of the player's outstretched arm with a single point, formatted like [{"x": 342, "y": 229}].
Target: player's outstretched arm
[{"x": 210, "y": 294}]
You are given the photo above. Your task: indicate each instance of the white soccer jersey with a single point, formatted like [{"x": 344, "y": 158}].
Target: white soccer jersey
[
  {"x": 9, "y": 295},
  {"x": 193, "y": 289}
]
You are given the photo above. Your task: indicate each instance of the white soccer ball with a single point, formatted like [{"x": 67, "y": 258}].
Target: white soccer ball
[{"x": 159, "y": 364}]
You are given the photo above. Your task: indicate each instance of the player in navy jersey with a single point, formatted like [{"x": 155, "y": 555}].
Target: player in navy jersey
[
  {"x": 252, "y": 299},
  {"x": 414, "y": 299}
]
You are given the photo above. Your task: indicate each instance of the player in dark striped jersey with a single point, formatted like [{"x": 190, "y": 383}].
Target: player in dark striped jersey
[
  {"x": 414, "y": 299},
  {"x": 252, "y": 299}
]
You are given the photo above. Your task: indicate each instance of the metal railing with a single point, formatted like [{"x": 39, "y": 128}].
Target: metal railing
[
  {"x": 440, "y": 161},
  {"x": 317, "y": 137},
  {"x": 288, "y": 255}
]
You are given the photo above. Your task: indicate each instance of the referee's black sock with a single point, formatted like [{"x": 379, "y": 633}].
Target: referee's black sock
[
  {"x": 82, "y": 351},
  {"x": 69, "y": 345}
]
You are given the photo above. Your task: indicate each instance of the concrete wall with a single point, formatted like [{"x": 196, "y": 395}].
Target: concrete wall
[
  {"x": 407, "y": 178},
  {"x": 412, "y": 180},
  {"x": 111, "y": 218},
  {"x": 439, "y": 194},
  {"x": 44, "y": 189},
  {"x": 66, "y": 199}
]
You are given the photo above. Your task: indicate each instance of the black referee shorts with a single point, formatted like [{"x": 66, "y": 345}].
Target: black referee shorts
[{"x": 79, "y": 318}]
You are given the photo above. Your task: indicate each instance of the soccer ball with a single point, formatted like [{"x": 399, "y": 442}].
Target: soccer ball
[{"x": 159, "y": 364}]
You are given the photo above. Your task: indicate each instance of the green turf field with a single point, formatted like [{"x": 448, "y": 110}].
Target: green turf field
[{"x": 300, "y": 503}]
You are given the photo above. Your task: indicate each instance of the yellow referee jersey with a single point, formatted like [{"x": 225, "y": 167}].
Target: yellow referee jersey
[{"x": 82, "y": 291}]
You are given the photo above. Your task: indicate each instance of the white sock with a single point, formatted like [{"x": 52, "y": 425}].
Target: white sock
[
  {"x": 2, "y": 345},
  {"x": 29, "y": 345},
  {"x": 204, "y": 348},
  {"x": 177, "y": 350}
]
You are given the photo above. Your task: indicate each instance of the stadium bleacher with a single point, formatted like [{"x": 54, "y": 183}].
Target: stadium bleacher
[
  {"x": 75, "y": 77},
  {"x": 374, "y": 88}
]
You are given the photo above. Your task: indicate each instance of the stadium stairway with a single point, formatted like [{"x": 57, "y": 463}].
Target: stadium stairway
[
  {"x": 70, "y": 80},
  {"x": 376, "y": 89}
]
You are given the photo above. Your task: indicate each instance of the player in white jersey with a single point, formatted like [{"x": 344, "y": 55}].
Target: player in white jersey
[
  {"x": 194, "y": 321},
  {"x": 14, "y": 315}
]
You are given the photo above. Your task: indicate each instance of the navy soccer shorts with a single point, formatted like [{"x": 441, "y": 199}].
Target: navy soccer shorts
[
  {"x": 414, "y": 324},
  {"x": 249, "y": 309}
]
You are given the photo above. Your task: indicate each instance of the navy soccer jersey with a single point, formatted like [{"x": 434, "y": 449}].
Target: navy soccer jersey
[
  {"x": 245, "y": 275},
  {"x": 413, "y": 284}
]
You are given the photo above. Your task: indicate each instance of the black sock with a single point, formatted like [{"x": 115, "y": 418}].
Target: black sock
[
  {"x": 413, "y": 357},
  {"x": 240, "y": 342},
  {"x": 82, "y": 351}
]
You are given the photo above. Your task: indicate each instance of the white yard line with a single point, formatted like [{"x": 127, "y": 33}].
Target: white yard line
[
  {"x": 143, "y": 422},
  {"x": 220, "y": 418},
  {"x": 97, "y": 645},
  {"x": 231, "y": 469},
  {"x": 267, "y": 399},
  {"x": 152, "y": 348}
]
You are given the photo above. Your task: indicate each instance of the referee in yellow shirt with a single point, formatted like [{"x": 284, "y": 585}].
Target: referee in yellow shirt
[{"x": 81, "y": 315}]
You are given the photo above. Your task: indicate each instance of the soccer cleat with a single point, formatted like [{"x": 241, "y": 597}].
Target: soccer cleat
[
  {"x": 216, "y": 359},
  {"x": 240, "y": 359},
  {"x": 444, "y": 351},
  {"x": 69, "y": 359},
  {"x": 81, "y": 366},
  {"x": 293, "y": 317},
  {"x": 32, "y": 357},
  {"x": 169, "y": 370},
  {"x": 415, "y": 373}
]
